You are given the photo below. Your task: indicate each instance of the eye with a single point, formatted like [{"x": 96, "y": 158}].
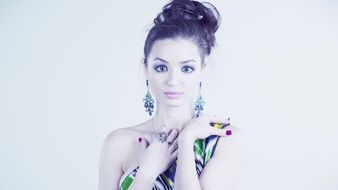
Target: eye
[
  {"x": 187, "y": 69},
  {"x": 161, "y": 68}
]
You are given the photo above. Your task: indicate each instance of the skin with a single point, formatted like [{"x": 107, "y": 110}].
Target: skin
[{"x": 173, "y": 65}]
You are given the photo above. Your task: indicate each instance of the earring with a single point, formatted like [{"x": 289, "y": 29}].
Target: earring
[
  {"x": 148, "y": 101},
  {"x": 199, "y": 102}
]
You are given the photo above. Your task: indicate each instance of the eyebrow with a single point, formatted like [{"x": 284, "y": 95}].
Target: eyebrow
[{"x": 182, "y": 62}]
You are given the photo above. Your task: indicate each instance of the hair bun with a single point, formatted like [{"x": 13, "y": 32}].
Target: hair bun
[
  {"x": 204, "y": 13},
  {"x": 187, "y": 19}
]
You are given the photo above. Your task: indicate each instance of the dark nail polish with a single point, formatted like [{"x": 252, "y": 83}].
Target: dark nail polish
[
  {"x": 228, "y": 132},
  {"x": 139, "y": 139}
]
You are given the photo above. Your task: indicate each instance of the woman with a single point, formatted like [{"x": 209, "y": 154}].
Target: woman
[{"x": 176, "y": 148}]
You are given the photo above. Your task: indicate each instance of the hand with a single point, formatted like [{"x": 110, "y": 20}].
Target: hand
[
  {"x": 200, "y": 128},
  {"x": 158, "y": 156}
]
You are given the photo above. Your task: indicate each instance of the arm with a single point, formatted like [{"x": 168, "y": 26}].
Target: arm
[
  {"x": 156, "y": 159},
  {"x": 142, "y": 181},
  {"x": 197, "y": 128},
  {"x": 186, "y": 177},
  {"x": 222, "y": 169},
  {"x": 110, "y": 167},
  {"x": 111, "y": 162}
]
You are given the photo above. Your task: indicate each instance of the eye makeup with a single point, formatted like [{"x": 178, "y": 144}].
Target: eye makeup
[
  {"x": 188, "y": 69},
  {"x": 160, "y": 68}
]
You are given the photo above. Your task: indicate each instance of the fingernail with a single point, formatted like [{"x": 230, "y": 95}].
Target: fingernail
[
  {"x": 228, "y": 132},
  {"x": 139, "y": 139}
]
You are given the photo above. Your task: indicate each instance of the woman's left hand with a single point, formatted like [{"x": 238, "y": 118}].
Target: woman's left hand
[{"x": 200, "y": 128}]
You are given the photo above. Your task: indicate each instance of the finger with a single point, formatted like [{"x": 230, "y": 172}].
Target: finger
[
  {"x": 220, "y": 120},
  {"x": 219, "y": 126},
  {"x": 173, "y": 135},
  {"x": 144, "y": 142},
  {"x": 174, "y": 154},
  {"x": 173, "y": 147},
  {"x": 163, "y": 134},
  {"x": 221, "y": 132}
]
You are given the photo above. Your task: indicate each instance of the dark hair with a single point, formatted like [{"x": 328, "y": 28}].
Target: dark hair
[{"x": 186, "y": 19}]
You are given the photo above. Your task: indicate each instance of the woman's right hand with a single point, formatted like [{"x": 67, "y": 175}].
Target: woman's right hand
[{"x": 158, "y": 156}]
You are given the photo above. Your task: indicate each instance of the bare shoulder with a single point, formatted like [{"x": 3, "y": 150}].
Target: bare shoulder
[
  {"x": 116, "y": 138},
  {"x": 227, "y": 158},
  {"x": 126, "y": 134},
  {"x": 121, "y": 142},
  {"x": 234, "y": 142},
  {"x": 113, "y": 143},
  {"x": 122, "y": 137},
  {"x": 115, "y": 149},
  {"x": 118, "y": 135},
  {"x": 236, "y": 131}
]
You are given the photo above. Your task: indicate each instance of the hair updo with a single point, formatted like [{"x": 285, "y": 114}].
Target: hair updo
[{"x": 186, "y": 19}]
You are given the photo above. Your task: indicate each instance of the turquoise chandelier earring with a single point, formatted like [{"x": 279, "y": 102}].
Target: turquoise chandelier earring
[
  {"x": 148, "y": 101},
  {"x": 199, "y": 102}
]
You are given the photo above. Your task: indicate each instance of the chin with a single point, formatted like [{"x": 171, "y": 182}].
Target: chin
[
  {"x": 174, "y": 105},
  {"x": 174, "y": 102}
]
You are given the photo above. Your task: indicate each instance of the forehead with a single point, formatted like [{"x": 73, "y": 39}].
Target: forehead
[{"x": 175, "y": 50}]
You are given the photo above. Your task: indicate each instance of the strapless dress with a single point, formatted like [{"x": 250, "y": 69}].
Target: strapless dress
[{"x": 203, "y": 149}]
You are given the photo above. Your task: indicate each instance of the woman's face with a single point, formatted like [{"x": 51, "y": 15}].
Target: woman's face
[{"x": 174, "y": 71}]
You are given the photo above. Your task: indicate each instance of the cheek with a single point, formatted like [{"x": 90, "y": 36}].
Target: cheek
[
  {"x": 192, "y": 85},
  {"x": 156, "y": 84}
]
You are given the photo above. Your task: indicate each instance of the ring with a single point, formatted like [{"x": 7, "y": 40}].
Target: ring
[
  {"x": 170, "y": 143},
  {"x": 162, "y": 137}
]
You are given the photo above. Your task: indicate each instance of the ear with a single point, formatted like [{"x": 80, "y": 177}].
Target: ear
[
  {"x": 203, "y": 70},
  {"x": 145, "y": 68}
]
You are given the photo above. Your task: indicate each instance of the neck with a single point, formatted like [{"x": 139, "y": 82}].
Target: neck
[{"x": 172, "y": 117}]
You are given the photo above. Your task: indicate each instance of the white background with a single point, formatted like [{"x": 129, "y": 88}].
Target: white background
[{"x": 70, "y": 73}]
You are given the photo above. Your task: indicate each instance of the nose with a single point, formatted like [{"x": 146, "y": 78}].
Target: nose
[{"x": 173, "y": 78}]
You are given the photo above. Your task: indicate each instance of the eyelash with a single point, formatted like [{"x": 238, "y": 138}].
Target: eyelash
[
  {"x": 156, "y": 67},
  {"x": 188, "y": 67},
  {"x": 159, "y": 68}
]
